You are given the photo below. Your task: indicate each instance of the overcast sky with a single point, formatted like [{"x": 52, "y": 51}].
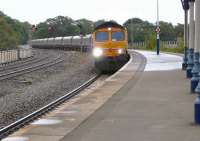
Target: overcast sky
[{"x": 35, "y": 11}]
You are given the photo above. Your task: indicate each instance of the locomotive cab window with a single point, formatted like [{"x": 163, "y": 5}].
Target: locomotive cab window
[
  {"x": 118, "y": 36},
  {"x": 101, "y": 36}
]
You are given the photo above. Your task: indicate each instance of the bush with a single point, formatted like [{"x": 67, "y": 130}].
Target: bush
[{"x": 151, "y": 42}]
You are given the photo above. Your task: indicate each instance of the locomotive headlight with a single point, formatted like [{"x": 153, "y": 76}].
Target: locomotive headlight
[
  {"x": 97, "y": 52},
  {"x": 120, "y": 51}
]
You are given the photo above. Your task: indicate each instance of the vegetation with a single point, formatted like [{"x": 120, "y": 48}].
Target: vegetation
[
  {"x": 14, "y": 32},
  {"x": 179, "y": 49},
  {"x": 8, "y": 37},
  {"x": 64, "y": 26},
  {"x": 143, "y": 31},
  {"x": 138, "y": 29}
]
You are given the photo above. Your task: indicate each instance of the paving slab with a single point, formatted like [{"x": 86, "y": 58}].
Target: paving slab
[{"x": 154, "y": 106}]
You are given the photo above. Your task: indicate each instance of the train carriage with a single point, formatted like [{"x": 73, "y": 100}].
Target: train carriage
[{"x": 58, "y": 42}]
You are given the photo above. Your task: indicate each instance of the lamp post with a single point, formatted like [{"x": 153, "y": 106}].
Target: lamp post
[{"x": 185, "y": 4}]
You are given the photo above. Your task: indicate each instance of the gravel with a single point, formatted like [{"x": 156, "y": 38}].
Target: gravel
[{"x": 24, "y": 94}]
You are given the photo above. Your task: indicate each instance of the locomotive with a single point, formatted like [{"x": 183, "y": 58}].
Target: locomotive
[{"x": 110, "y": 43}]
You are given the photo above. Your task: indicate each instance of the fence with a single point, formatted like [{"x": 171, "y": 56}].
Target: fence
[
  {"x": 169, "y": 44},
  {"x": 8, "y": 56},
  {"x": 164, "y": 44},
  {"x": 137, "y": 45}
]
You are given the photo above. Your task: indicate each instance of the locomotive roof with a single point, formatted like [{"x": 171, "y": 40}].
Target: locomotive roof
[{"x": 109, "y": 24}]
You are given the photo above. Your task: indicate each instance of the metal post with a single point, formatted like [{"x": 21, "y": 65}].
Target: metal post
[
  {"x": 7, "y": 53},
  {"x": 190, "y": 62},
  {"x": 185, "y": 59},
  {"x": 18, "y": 54},
  {"x": 196, "y": 68},
  {"x": 158, "y": 31},
  {"x": 186, "y": 8},
  {"x": 10, "y": 57},
  {"x": 1, "y": 58},
  {"x": 81, "y": 37},
  {"x": 197, "y": 44},
  {"x": 132, "y": 33}
]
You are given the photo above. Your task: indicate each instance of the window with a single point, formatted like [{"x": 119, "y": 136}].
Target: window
[
  {"x": 117, "y": 36},
  {"x": 101, "y": 36}
]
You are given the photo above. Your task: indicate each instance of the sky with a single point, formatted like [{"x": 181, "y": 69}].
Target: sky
[{"x": 35, "y": 11}]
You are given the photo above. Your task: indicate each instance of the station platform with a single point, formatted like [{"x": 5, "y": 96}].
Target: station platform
[{"x": 147, "y": 100}]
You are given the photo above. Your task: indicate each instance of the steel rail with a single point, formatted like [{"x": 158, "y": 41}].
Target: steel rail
[
  {"x": 31, "y": 69},
  {"x": 21, "y": 61},
  {"x": 5, "y": 64},
  {"x": 35, "y": 115},
  {"x": 28, "y": 62}
]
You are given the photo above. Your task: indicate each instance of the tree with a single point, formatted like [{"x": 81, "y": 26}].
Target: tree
[
  {"x": 8, "y": 38},
  {"x": 138, "y": 29},
  {"x": 179, "y": 30},
  {"x": 167, "y": 32},
  {"x": 58, "y": 26},
  {"x": 99, "y": 22},
  {"x": 21, "y": 29},
  {"x": 86, "y": 26}
]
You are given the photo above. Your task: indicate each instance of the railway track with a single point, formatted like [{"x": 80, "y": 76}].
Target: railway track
[
  {"x": 35, "y": 115},
  {"x": 16, "y": 64},
  {"x": 33, "y": 66},
  {"x": 12, "y": 63},
  {"x": 22, "y": 64}
]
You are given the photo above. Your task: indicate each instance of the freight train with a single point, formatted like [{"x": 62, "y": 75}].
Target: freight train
[{"x": 108, "y": 44}]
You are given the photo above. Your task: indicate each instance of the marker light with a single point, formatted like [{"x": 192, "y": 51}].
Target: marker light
[
  {"x": 97, "y": 52},
  {"x": 109, "y": 29},
  {"x": 120, "y": 51}
]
